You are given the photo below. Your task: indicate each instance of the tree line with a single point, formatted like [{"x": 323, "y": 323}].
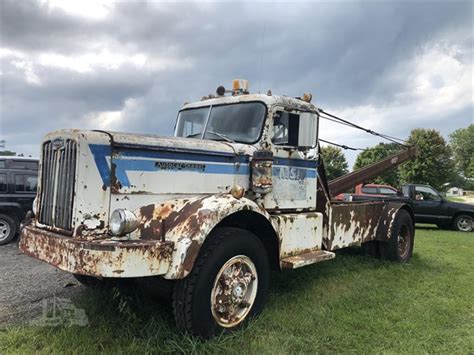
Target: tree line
[{"x": 440, "y": 164}]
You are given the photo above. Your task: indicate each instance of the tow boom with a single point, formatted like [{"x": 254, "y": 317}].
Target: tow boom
[{"x": 345, "y": 182}]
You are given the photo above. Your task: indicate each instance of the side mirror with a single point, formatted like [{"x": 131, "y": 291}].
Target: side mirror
[
  {"x": 262, "y": 171},
  {"x": 307, "y": 129}
]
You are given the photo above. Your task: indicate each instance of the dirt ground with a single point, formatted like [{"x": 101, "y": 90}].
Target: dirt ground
[{"x": 25, "y": 283}]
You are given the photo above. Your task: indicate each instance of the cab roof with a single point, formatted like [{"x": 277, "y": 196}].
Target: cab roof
[{"x": 269, "y": 100}]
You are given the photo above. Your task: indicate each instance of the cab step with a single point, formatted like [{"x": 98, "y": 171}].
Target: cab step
[{"x": 294, "y": 262}]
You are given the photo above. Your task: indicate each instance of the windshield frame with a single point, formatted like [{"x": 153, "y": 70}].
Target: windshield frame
[{"x": 225, "y": 104}]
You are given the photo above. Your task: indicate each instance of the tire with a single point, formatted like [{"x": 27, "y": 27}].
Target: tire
[
  {"x": 8, "y": 228},
  {"x": 400, "y": 245},
  {"x": 463, "y": 223},
  {"x": 225, "y": 249}
]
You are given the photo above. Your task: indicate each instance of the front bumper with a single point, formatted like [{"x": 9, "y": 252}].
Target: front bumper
[{"x": 100, "y": 258}]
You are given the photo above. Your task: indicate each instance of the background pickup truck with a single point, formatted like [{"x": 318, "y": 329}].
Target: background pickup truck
[{"x": 429, "y": 206}]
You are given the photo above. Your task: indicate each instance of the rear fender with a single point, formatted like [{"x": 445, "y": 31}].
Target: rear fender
[{"x": 187, "y": 223}]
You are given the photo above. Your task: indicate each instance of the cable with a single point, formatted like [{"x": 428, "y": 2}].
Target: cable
[
  {"x": 340, "y": 145},
  {"x": 339, "y": 120}
]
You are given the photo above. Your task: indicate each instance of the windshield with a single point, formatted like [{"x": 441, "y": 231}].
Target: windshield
[{"x": 241, "y": 122}]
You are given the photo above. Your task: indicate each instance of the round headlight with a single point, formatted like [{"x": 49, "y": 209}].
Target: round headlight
[{"x": 122, "y": 222}]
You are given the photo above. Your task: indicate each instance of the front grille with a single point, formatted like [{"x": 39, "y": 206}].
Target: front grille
[{"x": 57, "y": 183}]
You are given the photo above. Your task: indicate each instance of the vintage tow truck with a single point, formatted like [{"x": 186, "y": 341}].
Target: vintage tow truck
[{"x": 239, "y": 190}]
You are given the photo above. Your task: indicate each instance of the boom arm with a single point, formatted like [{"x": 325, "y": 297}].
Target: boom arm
[{"x": 368, "y": 172}]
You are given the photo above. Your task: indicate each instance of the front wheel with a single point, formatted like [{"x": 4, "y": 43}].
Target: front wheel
[
  {"x": 227, "y": 286},
  {"x": 463, "y": 223},
  {"x": 400, "y": 245}
]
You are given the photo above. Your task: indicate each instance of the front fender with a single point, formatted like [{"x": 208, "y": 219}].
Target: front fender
[{"x": 187, "y": 222}]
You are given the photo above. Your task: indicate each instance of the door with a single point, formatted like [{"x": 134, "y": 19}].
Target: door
[
  {"x": 294, "y": 170},
  {"x": 428, "y": 205}
]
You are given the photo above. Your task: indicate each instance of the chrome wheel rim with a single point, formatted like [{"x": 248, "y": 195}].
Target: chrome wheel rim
[
  {"x": 465, "y": 224},
  {"x": 404, "y": 241},
  {"x": 4, "y": 229},
  {"x": 234, "y": 291}
]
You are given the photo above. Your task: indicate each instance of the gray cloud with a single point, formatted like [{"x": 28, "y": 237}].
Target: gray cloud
[{"x": 347, "y": 54}]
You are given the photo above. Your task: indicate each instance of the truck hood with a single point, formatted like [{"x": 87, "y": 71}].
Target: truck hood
[
  {"x": 179, "y": 143},
  {"x": 460, "y": 206}
]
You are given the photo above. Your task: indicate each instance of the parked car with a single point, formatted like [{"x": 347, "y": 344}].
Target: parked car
[
  {"x": 371, "y": 192},
  {"x": 18, "y": 182},
  {"x": 429, "y": 206}
]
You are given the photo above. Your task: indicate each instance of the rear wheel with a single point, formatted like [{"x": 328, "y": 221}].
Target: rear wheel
[
  {"x": 463, "y": 223},
  {"x": 227, "y": 286},
  {"x": 8, "y": 228},
  {"x": 400, "y": 246}
]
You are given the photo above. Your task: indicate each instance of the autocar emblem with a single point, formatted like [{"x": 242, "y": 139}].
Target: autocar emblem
[{"x": 58, "y": 143}]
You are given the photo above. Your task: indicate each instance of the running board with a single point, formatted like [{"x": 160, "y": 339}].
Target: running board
[{"x": 294, "y": 262}]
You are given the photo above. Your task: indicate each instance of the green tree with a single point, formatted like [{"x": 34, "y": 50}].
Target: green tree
[
  {"x": 371, "y": 155},
  {"x": 7, "y": 153},
  {"x": 335, "y": 162},
  {"x": 462, "y": 144},
  {"x": 434, "y": 166}
]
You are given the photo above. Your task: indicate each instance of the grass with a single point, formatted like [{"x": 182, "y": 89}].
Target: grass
[
  {"x": 353, "y": 304},
  {"x": 455, "y": 199}
]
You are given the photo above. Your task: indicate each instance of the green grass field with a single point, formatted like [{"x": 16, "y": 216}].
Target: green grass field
[{"x": 353, "y": 304}]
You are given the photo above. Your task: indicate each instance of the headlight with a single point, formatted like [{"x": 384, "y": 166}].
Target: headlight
[{"x": 122, "y": 222}]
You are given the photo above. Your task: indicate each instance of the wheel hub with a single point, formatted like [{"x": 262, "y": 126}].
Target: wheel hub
[
  {"x": 464, "y": 224},
  {"x": 234, "y": 291},
  {"x": 4, "y": 229},
  {"x": 404, "y": 241}
]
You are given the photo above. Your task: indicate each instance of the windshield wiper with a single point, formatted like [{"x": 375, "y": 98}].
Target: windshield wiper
[
  {"x": 193, "y": 135},
  {"x": 223, "y": 136}
]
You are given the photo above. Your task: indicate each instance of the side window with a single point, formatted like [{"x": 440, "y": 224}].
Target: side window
[
  {"x": 19, "y": 183},
  {"x": 31, "y": 183},
  {"x": 424, "y": 193},
  {"x": 369, "y": 190},
  {"x": 3, "y": 182},
  {"x": 26, "y": 183},
  {"x": 2, "y": 164},
  {"x": 387, "y": 191},
  {"x": 285, "y": 129}
]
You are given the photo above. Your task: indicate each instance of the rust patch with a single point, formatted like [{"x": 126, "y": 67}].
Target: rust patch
[
  {"x": 100, "y": 258},
  {"x": 191, "y": 255}
]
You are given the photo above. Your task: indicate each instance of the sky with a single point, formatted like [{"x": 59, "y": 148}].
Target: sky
[{"x": 130, "y": 66}]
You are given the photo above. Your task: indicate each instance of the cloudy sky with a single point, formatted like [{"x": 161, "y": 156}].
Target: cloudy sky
[{"x": 129, "y": 66}]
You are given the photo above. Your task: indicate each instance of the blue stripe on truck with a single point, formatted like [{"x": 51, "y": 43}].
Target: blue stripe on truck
[{"x": 212, "y": 163}]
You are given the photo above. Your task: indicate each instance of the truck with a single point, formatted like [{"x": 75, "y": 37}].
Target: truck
[
  {"x": 429, "y": 205},
  {"x": 18, "y": 181},
  {"x": 238, "y": 191},
  {"x": 371, "y": 192}
]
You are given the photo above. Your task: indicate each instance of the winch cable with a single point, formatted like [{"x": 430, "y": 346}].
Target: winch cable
[
  {"x": 336, "y": 119},
  {"x": 343, "y": 146}
]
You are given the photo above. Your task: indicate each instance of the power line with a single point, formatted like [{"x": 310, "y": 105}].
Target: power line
[
  {"x": 343, "y": 146},
  {"x": 342, "y": 121}
]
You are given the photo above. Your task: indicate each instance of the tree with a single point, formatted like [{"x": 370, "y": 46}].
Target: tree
[
  {"x": 334, "y": 161},
  {"x": 462, "y": 144},
  {"x": 371, "y": 155},
  {"x": 7, "y": 153},
  {"x": 434, "y": 166}
]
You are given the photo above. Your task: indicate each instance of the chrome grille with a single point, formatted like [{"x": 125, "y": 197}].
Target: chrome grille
[{"x": 57, "y": 183}]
